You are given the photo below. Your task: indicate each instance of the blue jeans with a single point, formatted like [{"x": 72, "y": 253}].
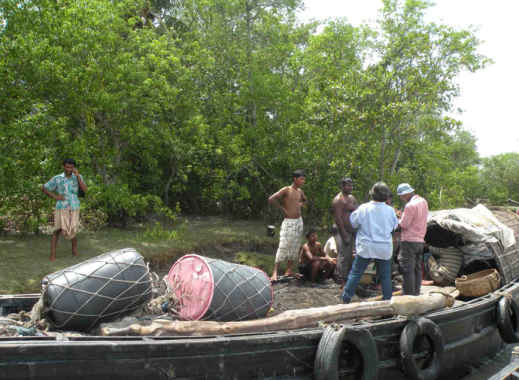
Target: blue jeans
[{"x": 357, "y": 270}]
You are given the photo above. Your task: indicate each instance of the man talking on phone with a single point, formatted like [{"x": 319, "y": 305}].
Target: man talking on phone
[{"x": 64, "y": 188}]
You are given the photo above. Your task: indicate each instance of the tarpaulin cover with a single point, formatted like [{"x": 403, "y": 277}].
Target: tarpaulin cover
[
  {"x": 480, "y": 234},
  {"x": 475, "y": 225}
]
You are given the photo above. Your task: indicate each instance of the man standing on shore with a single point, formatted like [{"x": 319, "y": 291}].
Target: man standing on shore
[
  {"x": 343, "y": 205},
  {"x": 64, "y": 189},
  {"x": 375, "y": 222},
  {"x": 413, "y": 224},
  {"x": 289, "y": 199}
]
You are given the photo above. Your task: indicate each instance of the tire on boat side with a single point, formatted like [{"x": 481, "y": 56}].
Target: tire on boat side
[
  {"x": 508, "y": 319},
  {"x": 414, "y": 329},
  {"x": 327, "y": 358}
]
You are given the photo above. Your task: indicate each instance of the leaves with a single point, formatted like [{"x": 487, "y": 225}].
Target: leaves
[{"x": 211, "y": 104}]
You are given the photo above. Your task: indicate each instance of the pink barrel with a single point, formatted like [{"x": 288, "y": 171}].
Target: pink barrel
[{"x": 213, "y": 289}]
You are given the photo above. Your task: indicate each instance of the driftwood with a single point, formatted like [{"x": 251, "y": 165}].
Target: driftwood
[
  {"x": 291, "y": 319},
  {"x": 379, "y": 298}
]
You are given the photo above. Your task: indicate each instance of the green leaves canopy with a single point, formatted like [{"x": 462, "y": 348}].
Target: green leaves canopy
[{"x": 213, "y": 103}]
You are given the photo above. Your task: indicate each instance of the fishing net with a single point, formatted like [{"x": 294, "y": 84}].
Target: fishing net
[
  {"x": 213, "y": 289},
  {"x": 99, "y": 289}
]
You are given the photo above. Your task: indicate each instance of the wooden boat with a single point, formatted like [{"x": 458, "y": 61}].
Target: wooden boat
[{"x": 457, "y": 336}]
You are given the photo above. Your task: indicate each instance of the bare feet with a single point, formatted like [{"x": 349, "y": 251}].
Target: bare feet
[{"x": 427, "y": 282}]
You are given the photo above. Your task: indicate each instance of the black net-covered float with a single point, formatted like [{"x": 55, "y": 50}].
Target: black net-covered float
[{"x": 102, "y": 288}]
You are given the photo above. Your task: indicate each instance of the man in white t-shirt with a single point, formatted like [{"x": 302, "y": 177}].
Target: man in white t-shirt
[{"x": 330, "y": 248}]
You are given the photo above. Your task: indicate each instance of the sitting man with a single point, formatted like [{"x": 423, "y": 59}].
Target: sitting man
[
  {"x": 330, "y": 247},
  {"x": 314, "y": 264}
]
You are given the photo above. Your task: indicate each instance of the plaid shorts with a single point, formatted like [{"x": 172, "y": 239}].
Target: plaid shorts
[{"x": 289, "y": 240}]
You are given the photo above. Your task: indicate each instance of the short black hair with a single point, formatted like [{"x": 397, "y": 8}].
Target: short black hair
[
  {"x": 298, "y": 173},
  {"x": 310, "y": 231},
  {"x": 69, "y": 161},
  {"x": 380, "y": 192}
]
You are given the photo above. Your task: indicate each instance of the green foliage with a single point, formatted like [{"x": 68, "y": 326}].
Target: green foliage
[
  {"x": 121, "y": 205},
  {"x": 209, "y": 105},
  {"x": 500, "y": 178},
  {"x": 256, "y": 260},
  {"x": 158, "y": 232}
]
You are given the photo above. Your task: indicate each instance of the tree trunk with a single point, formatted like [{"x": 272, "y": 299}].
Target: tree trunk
[
  {"x": 168, "y": 185},
  {"x": 382, "y": 155},
  {"x": 395, "y": 160},
  {"x": 291, "y": 319}
]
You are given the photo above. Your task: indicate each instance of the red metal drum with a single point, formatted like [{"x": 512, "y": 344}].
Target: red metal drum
[{"x": 213, "y": 289}]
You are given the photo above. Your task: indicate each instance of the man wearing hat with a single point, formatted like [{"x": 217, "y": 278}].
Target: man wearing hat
[{"x": 413, "y": 224}]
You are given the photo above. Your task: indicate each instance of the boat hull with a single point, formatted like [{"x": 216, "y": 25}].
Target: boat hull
[{"x": 469, "y": 331}]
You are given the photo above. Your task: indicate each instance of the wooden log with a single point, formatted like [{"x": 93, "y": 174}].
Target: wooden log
[
  {"x": 379, "y": 298},
  {"x": 291, "y": 319}
]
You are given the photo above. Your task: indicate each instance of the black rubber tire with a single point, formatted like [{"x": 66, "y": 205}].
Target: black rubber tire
[
  {"x": 327, "y": 358},
  {"x": 508, "y": 327},
  {"x": 414, "y": 329}
]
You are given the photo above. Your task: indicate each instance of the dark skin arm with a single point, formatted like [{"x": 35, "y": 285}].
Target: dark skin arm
[
  {"x": 303, "y": 198},
  {"x": 311, "y": 257},
  {"x": 276, "y": 198},
  {"x": 50, "y": 194},
  {"x": 340, "y": 208},
  {"x": 339, "y": 221},
  {"x": 80, "y": 182}
]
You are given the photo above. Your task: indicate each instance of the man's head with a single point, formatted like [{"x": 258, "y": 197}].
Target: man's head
[
  {"x": 311, "y": 235},
  {"x": 405, "y": 191},
  {"x": 298, "y": 177},
  {"x": 68, "y": 165},
  {"x": 346, "y": 185},
  {"x": 380, "y": 192}
]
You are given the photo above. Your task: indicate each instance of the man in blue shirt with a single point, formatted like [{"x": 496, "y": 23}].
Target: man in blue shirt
[
  {"x": 64, "y": 189},
  {"x": 374, "y": 221}
]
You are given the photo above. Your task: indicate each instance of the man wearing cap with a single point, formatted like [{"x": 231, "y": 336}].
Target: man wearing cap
[
  {"x": 343, "y": 204},
  {"x": 413, "y": 224}
]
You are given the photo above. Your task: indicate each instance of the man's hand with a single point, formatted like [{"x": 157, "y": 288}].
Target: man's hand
[{"x": 76, "y": 172}]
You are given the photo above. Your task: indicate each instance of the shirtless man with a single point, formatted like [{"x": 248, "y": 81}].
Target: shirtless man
[
  {"x": 314, "y": 264},
  {"x": 289, "y": 199},
  {"x": 343, "y": 205}
]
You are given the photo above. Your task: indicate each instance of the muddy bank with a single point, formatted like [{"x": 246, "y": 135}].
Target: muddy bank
[
  {"x": 259, "y": 254},
  {"x": 298, "y": 294}
]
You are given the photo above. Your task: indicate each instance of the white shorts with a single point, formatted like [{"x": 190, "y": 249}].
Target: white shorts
[
  {"x": 67, "y": 221},
  {"x": 289, "y": 240}
]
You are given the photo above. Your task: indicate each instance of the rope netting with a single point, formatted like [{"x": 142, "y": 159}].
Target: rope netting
[
  {"x": 102, "y": 288},
  {"x": 240, "y": 292},
  {"x": 212, "y": 289}
]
